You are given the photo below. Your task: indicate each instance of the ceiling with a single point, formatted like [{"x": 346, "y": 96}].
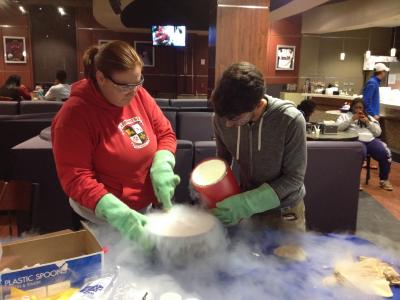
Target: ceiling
[{"x": 144, "y": 13}]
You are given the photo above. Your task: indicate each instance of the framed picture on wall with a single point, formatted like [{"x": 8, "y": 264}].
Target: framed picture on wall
[
  {"x": 102, "y": 42},
  {"x": 285, "y": 57},
  {"x": 146, "y": 52},
  {"x": 14, "y": 49}
]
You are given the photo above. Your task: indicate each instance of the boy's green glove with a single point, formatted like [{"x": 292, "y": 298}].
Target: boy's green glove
[
  {"x": 127, "y": 221},
  {"x": 163, "y": 178},
  {"x": 241, "y": 206}
]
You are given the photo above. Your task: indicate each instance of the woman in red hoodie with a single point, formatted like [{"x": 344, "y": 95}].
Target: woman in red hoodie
[{"x": 113, "y": 147}]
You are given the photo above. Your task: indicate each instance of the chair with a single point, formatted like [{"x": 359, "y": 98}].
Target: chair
[
  {"x": 15, "y": 202},
  {"x": 368, "y": 169}
]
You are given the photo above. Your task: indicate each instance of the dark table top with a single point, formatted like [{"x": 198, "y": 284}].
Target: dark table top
[{"x": 340, "y": 136}]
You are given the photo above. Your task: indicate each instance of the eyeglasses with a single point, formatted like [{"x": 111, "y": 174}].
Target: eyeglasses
[{"x": 127, "y": 87}]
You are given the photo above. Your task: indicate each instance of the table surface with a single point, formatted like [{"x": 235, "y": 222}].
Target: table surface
[
  {"x": 340, "y": 136},
  {"x": 334, "y": 112}
]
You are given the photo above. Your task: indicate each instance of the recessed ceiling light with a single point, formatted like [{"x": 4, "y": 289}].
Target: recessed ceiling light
[
  {"x": 61, "y": 11},
  {"x": 22, "y": 9}
]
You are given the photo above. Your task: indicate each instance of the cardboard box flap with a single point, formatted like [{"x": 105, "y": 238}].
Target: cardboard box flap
[{"x": 48, "y": 248}]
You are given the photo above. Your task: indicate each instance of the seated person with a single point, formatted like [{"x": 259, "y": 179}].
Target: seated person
[
  {"x": 306, "y": 107},
  {"x": 13, "y": 89},
  {"x": 60, "y": 90},
  {"x": 368, "y": 130}
]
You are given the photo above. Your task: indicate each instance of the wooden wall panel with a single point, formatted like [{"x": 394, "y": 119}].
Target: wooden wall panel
[
  {"x": 176, "y": 69},
  {"x": 241, "y": 35},
  {"x": 283, "y": 32},
  {"x": 13, "y": 23}
]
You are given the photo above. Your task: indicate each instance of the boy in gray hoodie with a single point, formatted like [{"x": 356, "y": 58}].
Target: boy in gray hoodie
[{"x": 266, "y": 136}]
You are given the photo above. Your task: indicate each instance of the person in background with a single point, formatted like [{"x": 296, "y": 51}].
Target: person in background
[
  {"x": 13, "y": 88},
  {"x": 113, "y": 146},
  {"x": 266, "y": 137},
  {"x": 60, "y": 90},
  {"x": 371, "y": 90},
  {"x": 368, "y": 128},
  {"x": 307, "y": 108}
]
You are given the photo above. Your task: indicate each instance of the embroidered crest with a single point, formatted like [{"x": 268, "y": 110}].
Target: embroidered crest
[{"x": 134, "y": 129}]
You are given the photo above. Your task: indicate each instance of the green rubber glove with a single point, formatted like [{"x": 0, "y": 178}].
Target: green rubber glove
[
  {"x": 163, "y": 178},
  {"x": 127, "y": 221},
  {"x": 242, "y": 206}
]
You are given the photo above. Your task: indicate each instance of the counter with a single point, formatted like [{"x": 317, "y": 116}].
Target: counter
[{"x": 390, "y": 114}]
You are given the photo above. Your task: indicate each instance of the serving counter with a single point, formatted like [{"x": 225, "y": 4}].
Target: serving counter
[{"x": 390, "y": 114}]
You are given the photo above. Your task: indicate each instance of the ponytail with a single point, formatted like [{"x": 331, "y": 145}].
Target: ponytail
[
  {"x": 89, "y": 66},
  {"x": 112, "y": 57}
]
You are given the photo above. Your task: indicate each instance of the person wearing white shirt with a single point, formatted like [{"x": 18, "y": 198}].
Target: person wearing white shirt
[
  {"x": 61, "y": 90},
  {"x": 368, "y": 129}
]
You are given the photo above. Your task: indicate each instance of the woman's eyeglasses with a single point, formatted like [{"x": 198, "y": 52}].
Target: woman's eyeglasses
[{"x": 127, "y": 87}]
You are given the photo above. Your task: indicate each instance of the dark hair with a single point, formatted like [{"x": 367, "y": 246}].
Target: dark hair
[
  {"x": 307, "y": 107},
  {"x": 356, "y": 101},
  {"x": 353, "y": 104},
  {"x": 239, "y": 90},
  {"x": 376, "y": 73},
  {"x": 13, "y": 81},
  {"x": 61, "y": 76},
  {"x": 109, "y": 58}
]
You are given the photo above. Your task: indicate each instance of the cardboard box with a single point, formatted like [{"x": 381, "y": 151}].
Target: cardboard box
[{"x": 48, "y": 264}]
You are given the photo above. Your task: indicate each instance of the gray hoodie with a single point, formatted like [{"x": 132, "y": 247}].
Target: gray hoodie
[{"x": 271, "y": 150}]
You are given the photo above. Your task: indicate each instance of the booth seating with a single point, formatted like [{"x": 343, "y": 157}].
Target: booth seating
[
  {"x": 194, "y": 126},
  {"x": 188, "y": 102},
  {"x": 9, "y": 107},
  {"x": 16, "y": 129},
  {"x": 39, "y": 106},
  {"x": 162, "y": 102},
  {"x": 182, "y": 103},
  {"x": 332, "y": 181}
]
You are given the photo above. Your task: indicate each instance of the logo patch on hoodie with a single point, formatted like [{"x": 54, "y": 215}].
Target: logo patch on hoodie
[{"x": 134, "y": 129}]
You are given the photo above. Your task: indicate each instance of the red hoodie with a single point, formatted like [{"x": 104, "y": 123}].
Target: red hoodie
[{"x": 100, "y": 148}]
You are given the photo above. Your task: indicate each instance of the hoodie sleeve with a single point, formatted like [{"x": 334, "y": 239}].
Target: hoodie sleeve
[
  {"x": 344, "y": 121},
  {"x": 294, "y": 160},
  {"x": 73, "y": 146},
  {"x": 166, "y": 138},
  {"x": 222, "y": 150},
  {"x": 374, "y": 127}
]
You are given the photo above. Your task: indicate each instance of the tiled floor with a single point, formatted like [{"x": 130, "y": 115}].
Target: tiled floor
[{"x": 389, "y": 200}]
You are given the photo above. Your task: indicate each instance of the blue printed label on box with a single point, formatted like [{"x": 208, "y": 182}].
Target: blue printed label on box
[{"x": 74, "y": 270}]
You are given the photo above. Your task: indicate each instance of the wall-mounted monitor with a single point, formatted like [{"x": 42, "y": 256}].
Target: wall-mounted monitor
[{"x": 168, "y": 35}]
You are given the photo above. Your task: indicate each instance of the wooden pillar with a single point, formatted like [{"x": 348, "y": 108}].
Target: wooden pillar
[{"x": 241, "y": 34}]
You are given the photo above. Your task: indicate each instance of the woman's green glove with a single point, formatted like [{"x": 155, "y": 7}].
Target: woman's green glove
[
  {"x": 127, "y": 221},
  {"x": 241, "y": 206},
  {"x": 163, "y": 178}
]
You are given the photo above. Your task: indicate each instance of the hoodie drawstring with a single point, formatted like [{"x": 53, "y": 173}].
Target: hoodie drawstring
[
  {"x": 259, "y": 134},
  {"x": 238, "y": 144}
]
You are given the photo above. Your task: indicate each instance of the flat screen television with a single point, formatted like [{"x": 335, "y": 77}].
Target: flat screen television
[{"x": 168, "y": 35}]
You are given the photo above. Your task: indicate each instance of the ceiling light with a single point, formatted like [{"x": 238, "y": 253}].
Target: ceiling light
[
  {"x": 22, "y": 9},
  {"x": 61, "y": 11},
  {"x": 393, "y": 50}
]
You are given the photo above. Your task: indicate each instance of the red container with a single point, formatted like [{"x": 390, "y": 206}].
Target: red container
[{"x": 214, "y": 181}]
